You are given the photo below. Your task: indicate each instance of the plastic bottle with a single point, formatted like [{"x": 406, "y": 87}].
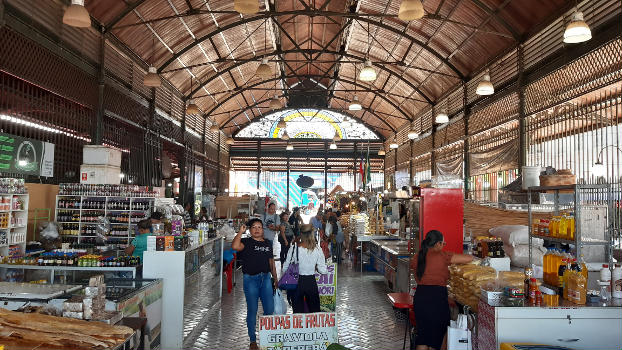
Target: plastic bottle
[
  {"x": 571, "y": 227},
  {"x": 567, "y": 271},
  {"x": 617, "y": 282},
  {"x": 583, "y": 267},
  {"x": 545, "y": 265},
  {"x": 560, "y": 272},
  {"x": 605, "y": 273}
]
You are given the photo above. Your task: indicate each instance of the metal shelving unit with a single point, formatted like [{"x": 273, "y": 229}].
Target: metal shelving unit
[
  {"x": 15, "y": 234},
  {"x": 105, "y": 211},
  {"x": 592, "y": 205}
]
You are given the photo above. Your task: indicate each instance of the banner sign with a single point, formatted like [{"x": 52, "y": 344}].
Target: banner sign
[
  {"x": 26, "y": 156},
  {"x": 298, "y": 331},
  {"x": 327, "y": 285}
]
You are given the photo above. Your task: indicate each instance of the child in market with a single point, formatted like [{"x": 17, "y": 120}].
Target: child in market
[{"x": 139, "y": 243}]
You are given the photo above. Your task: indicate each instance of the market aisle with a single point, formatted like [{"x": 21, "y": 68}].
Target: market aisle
[{"x": 366, "y": 318}]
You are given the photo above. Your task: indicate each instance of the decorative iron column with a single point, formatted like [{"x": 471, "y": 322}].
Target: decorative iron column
[
  {"x": 465, "y": 145},
  {"x": 288, "y": 180},
  {"x": 101, "y": 85},
  {"x": 325, "y": 173},
  {"x": 354, "y": 166},
  {"x": 258, "y": 164},
  {"x": 522, "y": 122}
]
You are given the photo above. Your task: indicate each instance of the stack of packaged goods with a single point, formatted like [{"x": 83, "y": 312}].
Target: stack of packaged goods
[
  {"x": 466, "y": 280},
  {"x": 360, "y": 223},
  {"x": 376, "y": 225},
  {"x": 91, "y": 305}
]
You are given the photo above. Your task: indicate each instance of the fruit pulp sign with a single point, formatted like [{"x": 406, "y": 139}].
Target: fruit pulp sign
[
  {"x": 298, "y": 331},
  {"x": 19, "y": 155}
]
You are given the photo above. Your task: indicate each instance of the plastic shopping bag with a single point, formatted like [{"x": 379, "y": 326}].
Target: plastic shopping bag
[
  {"x": 458, "y": 335},
  {"x": 280, "y": 305}
]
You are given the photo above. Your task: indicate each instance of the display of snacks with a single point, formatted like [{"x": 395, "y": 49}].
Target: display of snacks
[
  {"x": 488, "y": 247},
  {"x": 12, "y": 186},
  {"x": 76, "y": 189},
  {"x": 465, "y": 282}
]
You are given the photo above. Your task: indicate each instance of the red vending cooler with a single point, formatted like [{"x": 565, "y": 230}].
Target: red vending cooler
[{"x": 440, "y": 209}]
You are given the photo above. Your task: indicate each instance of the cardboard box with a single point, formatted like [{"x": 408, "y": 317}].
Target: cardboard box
[
  {"x": 100, "y": 174},
  {"x": 101, "y": 155}
]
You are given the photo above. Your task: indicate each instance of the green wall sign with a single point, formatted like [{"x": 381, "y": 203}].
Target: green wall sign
[{"x": 26, "y": 156}]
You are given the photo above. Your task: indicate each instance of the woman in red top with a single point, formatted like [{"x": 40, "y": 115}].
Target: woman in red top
[{"x": 431, "y": 266}]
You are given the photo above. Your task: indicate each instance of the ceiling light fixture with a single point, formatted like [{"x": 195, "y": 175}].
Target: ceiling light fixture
[
  {"x": 285, "y": 136},
  {"x": 246, "y": 7},
  {"x": 394, "y": 144},
  {"x": 264, "y": 71},
  {"x": 275, "y": 103},
  {"x": 381, "y": 152},
  {"x": 355, "y": 105},
  {"x": 442, "y": 117},
  {"x": 336, "y": 138},
  {"x": 214, "y": 127},
  {"x": 485, "y": 87},
  {"x": 333, "y": 145},
  {"x": 192, "y": 108},
  {"x": 413, "y": 134},
  {"x": 77, "y": 15},
  {"x": 410, "y": 10},
  {"x": 368, "y": 73},
  {"x": 289, "y": 147},
  {"x": 281, "y": 124},
  {"x": 152, "y": 79},
  {"x": 577, "y": 31},
  {"x": 230, "y": 141}
]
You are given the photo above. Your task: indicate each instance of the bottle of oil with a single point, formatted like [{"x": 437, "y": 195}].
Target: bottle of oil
[
  {"x": 583, "y": 267},
  {"x": 571, "y": 227},
  {"x": 560, "y": 273}
]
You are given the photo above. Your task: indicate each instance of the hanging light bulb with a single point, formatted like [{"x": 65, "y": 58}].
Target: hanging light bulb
[
  {"x": 76, "y": 15},
  {"x": 264, "y": 71},
  {"x": 368, "y": 73},
  {"x": 246, "y": 7},
  {"x": 336, "y": 138},
  {"x": 275, "y": 103},
  {"x": 333, "y": 145},
  {"x": 214, "y": 127},
  {"x": 485, "y": 87},
  {"x": 394, "y": 144},
  {"x": 412, "y": 134},
  {"x": 192, "y": 108},
  {"x": 410, "y": 10},
  {"x": 442, "y": 117},
  {"x": 152, "y": 79},
  {"x": 289, "y": 147},
  {"x": 381, "y": 152},
  {"x": 577, "y": 31},
  {"x": 281, "y": 124},
  {"x": 285, "y": 136},
  {"x": 355, "y": 105},
  {"x": 230, "y": 141}
]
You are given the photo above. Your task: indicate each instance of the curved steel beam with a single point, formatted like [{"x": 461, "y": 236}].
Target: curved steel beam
[
  {"x": 495, "y": 15},
  {"x": 341, "y": 111},
  {"x": 311, "y": 51},
  {"x": 128, "y": 9},
  {"x": 397, "y": 108},
  {"x": 265, "y": 15}
]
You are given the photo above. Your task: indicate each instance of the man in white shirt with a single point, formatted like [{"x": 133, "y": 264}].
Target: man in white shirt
[{"x": 271, "y": 224}]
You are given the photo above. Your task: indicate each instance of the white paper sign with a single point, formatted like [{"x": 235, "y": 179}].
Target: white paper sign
[{"x": 298, "y": 331}]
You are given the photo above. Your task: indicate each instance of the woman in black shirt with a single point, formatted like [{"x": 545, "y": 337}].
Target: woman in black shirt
[{"x": 257, "y": 266}]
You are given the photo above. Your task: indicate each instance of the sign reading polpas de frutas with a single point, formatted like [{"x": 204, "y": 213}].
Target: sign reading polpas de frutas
[
  {"x": 298, "y": 331},
  {"x": 19, "y": 155}
]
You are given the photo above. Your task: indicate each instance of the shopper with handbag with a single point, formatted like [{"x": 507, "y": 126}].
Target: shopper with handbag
[
  {"x": 310, "y": 259},
  {"x": 259, "y": 273}
]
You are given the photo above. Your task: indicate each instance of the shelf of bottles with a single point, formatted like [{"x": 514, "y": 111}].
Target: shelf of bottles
[
  {"x": 78, "y": 217},
  {"x": 581, "y": 221}
]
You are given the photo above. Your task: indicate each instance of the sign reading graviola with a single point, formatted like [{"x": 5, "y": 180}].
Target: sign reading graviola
[
  {"x": 19, "y": 155},
  {"x": 298, "y": 331},
  {"x": 327, "y": 286}
]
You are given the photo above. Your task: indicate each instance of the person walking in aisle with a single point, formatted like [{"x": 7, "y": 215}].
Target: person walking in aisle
[
  {"x": 286, "y": 235},
  {"x": 258, "y": 269},
  {"x": 310, "y": 259},
  {"x": 335, "y": 233},
  {"x": 295, "y": 220},
  {"x": 431, "y": 306}
]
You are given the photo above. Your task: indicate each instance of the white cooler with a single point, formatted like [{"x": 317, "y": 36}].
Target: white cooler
[
  {"x": 100, "y": 174},
  {"x": 101, "y": 155}
]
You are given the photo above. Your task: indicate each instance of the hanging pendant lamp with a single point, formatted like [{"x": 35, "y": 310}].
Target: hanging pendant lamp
[
  {"x": 442, "y": 117},
  {"x": 577, "y": 31},
  {"x": 264, "y": 71},
  {"x": 336, "y": 138},
  {"x": 368, "y": 73},
  {"x": 413, "y": 134},
  {"x": 381, "y": 152},
  {"x": 355, "y": 105},
  {"x": 289, "y": 147},
  {"x": 246, "y": 7},
  {"x": 281, "y": 124},
  {"x": 76, "y": 15},
  {"x": 275, "y": 103},
  {"x": 285, "y": 136},
  {"x": 230, "y": 141},
  {"x": 192, "y": 108},
  {"x": 485, "y": 87},
  {"x": 394, "y": 144},
  {"x": 410, "y": 10},
  {"x": 152, "y": 79},
  {"x": 214, "y": 127},
  {"x": 333, "y": 145}
]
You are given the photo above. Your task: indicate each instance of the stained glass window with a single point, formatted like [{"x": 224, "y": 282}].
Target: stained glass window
[{"x": 308, "y": 123}]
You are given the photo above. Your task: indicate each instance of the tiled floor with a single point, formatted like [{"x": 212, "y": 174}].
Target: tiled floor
[{"x": 365, "y": 316}]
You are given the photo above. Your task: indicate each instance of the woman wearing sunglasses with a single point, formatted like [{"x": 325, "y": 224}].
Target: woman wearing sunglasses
[{"x": 431, "y": 266}]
